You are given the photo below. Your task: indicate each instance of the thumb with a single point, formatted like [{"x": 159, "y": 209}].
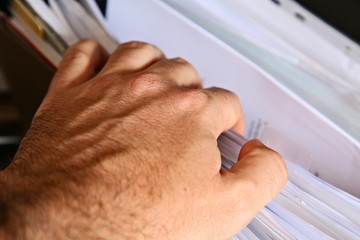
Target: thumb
[{"x": 257, "y": 177}]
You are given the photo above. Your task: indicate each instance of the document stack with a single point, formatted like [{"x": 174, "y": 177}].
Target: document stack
[
  {"x": 307, "y": 208},
  {"x": 298, "y": 81}
]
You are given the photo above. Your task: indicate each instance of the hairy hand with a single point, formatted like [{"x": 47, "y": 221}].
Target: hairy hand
[{"x": 124, "y": 147}]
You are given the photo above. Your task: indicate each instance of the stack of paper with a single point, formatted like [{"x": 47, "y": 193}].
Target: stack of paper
[{"x": 307, "y": 208}]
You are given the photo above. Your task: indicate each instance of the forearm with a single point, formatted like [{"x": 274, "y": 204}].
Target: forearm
[
  {"x": 48, "y": 207},
  {"x": 26, "y": 210}
]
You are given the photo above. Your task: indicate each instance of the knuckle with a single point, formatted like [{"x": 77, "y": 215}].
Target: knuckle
[
  {"x": 184, "y": 65},
  {"x": 87, "y": 42},
  {"x": 80, "y": 51},
  {"x": 141, "y": 45},
  {"x": 225, "y": 93},
  {"x": 134, "y": 44},
  {"x": 78, "y": 56},
  {"x": 73, "y": 58},
  {"x": 275, "y": 162},
  {"x": 279, "y": 165},
  {"x": 194, "y": 99},
  {"x": 180, "y": 60},
  {"x": 282, "y": 166},
  {"x": 145, "y": 83}
]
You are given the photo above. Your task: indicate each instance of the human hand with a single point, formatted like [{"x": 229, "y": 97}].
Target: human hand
[{"x": 130, "y": 152}]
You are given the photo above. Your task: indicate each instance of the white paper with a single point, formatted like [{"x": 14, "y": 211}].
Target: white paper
[
  {"x": 335, "y": 97},
  {"x": 265, "y": 100},
  {"x": 264, "y": 12},
  {"x": 343, "y": 202},
  {"x": 297, "y": 223}
]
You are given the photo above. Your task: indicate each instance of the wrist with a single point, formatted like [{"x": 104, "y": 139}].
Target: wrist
[
  {"x": 11, "y": 222},
  {"x": 22, "y": 211}
]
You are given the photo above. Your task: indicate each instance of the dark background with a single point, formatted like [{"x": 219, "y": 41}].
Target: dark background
[{"x": 344, "y": 15}]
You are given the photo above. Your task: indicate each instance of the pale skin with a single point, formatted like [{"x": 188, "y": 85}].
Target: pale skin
[{"x": 124, "y": 147}]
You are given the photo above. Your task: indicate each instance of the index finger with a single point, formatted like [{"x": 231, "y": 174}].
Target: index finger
[{"x": 224, "y": 111}]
